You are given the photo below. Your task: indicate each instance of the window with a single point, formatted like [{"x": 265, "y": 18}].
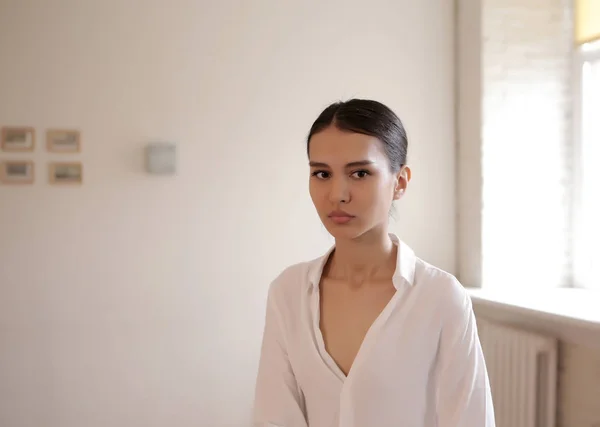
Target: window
[
  {"x": 586, "y": 261},
  {"x": 526, "y": 148},
  {"x": 540, "y": 204}
]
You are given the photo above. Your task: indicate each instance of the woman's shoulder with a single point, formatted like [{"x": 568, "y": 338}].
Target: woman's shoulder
[
  {"x": 441, "y": 286},
  {"x": 293, "y": 279}
]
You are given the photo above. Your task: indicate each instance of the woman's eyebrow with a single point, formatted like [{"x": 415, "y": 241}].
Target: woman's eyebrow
[{"x": 348, "y": 165}]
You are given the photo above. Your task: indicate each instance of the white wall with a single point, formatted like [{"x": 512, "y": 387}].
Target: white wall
[
  {"x": 138, "y": 300},
  {"x": 578, "y": 386}
]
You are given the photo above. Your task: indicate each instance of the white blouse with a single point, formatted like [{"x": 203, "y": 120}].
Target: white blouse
[{"x": 420, "y": 364}]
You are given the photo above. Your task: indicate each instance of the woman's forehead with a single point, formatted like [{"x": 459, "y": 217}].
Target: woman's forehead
[{"x": 333, "y": 145}]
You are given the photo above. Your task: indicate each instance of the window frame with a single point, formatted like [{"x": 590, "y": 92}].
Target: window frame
[{"x": 584, "y": 53}]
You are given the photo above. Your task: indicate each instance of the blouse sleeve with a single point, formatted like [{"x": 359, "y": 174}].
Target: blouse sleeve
[
  {"x": 278, "y": 401},
  {"x": 463, "y": 391}
]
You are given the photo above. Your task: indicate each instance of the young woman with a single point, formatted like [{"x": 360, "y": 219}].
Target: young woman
[{"x": 368, "y": 335}]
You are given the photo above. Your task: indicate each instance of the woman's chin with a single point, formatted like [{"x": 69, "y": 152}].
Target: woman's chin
[
  {"x": 343, "y": 231},
  {"x": 354, "y": 229}
]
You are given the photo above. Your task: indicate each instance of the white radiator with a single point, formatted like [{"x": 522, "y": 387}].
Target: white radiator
[{"x": 522, "y": 367}]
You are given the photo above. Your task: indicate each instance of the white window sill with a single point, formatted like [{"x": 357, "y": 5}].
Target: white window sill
[{"x": 571, "y": 315}]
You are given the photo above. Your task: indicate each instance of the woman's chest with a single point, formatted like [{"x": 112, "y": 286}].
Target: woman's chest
[
  {"x": 390, "y": 347},
  {"x": 345, "y": 318}
]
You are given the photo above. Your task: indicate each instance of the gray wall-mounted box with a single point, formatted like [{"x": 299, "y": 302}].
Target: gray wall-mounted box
[{"x": 161, "y": 158}]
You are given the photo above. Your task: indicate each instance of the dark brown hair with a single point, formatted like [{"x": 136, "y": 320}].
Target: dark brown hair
[{"x": 370, "y": 118}]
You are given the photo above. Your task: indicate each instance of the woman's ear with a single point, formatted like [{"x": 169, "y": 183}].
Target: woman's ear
[{"x": 402, "y": 179}]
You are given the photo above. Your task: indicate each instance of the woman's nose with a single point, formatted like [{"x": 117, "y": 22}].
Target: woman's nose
[{"x": 339, "y": 191}]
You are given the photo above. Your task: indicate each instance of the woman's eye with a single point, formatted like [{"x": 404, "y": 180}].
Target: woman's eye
[
  {"x": 321, "y": 174},
  {"x": 360, "y": 174}
]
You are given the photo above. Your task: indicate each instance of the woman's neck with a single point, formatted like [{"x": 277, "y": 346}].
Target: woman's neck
[{"x": 366, "y": 259}]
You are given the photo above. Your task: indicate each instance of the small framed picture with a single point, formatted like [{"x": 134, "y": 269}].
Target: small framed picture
[
  {"x": 66, "y": 173},
  {"x": 16, "y": 172},
  {"x": 63, "y": 141},
  {"x": 18, "y": 138}
]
